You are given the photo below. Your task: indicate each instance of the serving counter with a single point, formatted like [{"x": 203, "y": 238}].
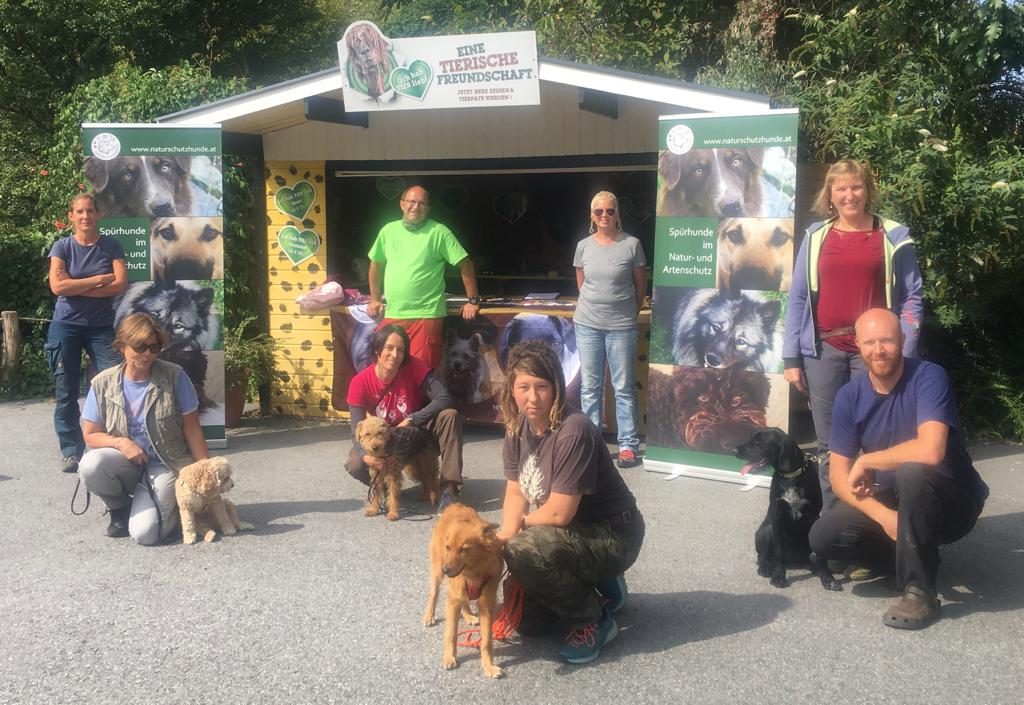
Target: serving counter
[{"x": 475, "y": 352}]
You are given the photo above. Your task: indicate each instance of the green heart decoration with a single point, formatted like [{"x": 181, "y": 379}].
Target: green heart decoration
[
  {"x": 297, "y": 200},
  {"x": 414, "y": 80},
  {"x": 390, "y": 187},
  {"x": 298, "y": 246}
]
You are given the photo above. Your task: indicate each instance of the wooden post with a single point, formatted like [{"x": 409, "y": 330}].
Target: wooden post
[{"x": 12, "y": 345}]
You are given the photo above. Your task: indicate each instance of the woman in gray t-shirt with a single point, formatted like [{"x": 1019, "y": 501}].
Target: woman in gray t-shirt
[{"x": 612, "y": 280}]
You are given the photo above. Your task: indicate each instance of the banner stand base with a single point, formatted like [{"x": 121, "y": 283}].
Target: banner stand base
[{"x": 674, "y": 470}]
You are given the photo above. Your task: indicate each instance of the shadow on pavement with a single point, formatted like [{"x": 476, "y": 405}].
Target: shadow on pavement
[{"x": 262, "y": 513}]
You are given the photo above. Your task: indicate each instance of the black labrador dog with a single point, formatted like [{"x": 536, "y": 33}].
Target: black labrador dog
[{"x": 794, "y": 503}]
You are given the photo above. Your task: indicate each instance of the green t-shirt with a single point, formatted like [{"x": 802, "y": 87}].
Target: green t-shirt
[{"x": 414, "y": 267}]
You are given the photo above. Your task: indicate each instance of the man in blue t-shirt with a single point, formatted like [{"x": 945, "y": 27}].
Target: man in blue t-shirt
[{"x": 900, "y": 469}]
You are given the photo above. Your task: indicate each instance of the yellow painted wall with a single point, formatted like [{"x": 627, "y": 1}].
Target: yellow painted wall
[{"x": 304, "y": 348}]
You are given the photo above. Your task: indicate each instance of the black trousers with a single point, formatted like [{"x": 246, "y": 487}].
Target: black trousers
[{"x": 932, "y": 511}]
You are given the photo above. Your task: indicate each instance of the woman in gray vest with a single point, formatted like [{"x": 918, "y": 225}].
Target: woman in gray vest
[{"x": 141, "y": 425}]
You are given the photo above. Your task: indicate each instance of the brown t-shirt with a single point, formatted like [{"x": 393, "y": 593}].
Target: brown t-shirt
[{"x": 572, "y": 460}]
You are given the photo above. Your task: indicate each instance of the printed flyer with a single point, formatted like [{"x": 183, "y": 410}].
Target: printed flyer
[
  {"x": 723, "y": 258},
  {"x": 160, "y": 193}
]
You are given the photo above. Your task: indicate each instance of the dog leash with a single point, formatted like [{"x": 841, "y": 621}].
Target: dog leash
[
  {"x": 74, "y": 496},
  {"x": 506, "y": 618}
]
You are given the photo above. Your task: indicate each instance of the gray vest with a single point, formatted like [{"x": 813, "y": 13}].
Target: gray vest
[{"x": 163, "y": 415}]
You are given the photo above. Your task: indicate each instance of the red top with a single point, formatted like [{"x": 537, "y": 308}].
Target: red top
[
  {"x": 393, "y": 402},
  {"x": 850, "y": 281}
]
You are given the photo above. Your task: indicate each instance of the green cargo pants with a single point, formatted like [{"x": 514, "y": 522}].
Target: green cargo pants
[{"x": 560, "y": 567}]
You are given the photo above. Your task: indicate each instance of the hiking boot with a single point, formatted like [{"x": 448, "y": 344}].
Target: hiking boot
[
  {"x": 69, "y": 463},
  {"x": 614, "y": 593},
  {"x": 583, "y": 645},
  {"x": 118, "y": 528},
  {"x": 627, "y": 458},
  {"x": 915, "y": 610}
]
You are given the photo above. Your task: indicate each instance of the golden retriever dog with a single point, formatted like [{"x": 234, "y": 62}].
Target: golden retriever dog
[
  {"x": 465, "y": 549},
  {"x": 407, "y": 448},
  {"x": 755, "y": 253},
  {"x": 368, "y": 53},
  {"x": 187, "y": 248},
  {"x": 200, "y": 489},
  {"x": 710, "y": 183}
]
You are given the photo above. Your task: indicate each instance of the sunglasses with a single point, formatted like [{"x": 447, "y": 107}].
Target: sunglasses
[
  {"x": 143, "y": 347},
  {"x": 601, "y": 211}
]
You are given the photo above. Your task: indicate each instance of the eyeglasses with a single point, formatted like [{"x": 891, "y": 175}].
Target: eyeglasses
[
  {"x": 143, "y": 347},
  {"x": 601, "y": 211},
  {"x": 415, "y": 203}
]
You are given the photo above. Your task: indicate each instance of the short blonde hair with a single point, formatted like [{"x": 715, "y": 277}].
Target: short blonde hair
[
  {"x": 83, "y": 197},
  {"x": 606, "y": 196},
  {"x": 136, "y": 329},
  {"x": 845, "y": 167}
]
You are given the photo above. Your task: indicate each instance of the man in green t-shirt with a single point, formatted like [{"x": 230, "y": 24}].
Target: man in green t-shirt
[{"x": 408, "y": 258}]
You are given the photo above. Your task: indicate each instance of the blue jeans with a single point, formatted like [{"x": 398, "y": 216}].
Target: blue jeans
[
  {"x": 618, "y": 347},
  {"x": 64, "y": 345}
]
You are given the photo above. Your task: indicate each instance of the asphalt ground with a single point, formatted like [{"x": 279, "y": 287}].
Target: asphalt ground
[{"x": 322, "y": 605}]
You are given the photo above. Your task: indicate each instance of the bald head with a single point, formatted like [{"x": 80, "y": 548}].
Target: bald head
[
  {"x": 415, "y": 206},
  {"x": 878, "y": 321}
]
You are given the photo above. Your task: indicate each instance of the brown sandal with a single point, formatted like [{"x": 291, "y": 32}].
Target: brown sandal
[{"x": 915, "y": 610}]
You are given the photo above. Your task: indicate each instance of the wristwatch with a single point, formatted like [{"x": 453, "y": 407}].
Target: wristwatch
[{"x": 475, "y": 300}]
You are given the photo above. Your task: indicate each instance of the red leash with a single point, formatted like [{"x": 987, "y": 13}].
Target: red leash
[{"x": 506, "y": 619}]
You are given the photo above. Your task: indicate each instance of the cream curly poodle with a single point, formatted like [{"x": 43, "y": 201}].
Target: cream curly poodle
[{"x": 200, "y": 489}]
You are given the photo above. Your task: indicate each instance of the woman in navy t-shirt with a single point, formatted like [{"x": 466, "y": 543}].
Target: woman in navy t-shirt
[{"x": 86, "y": 270}]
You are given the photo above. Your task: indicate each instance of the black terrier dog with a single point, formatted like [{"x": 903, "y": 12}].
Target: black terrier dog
[{"x": 794, "y": 503}]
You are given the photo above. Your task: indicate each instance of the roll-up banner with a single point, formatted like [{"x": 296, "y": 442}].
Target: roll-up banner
[
  {"x": 160, "y": 193},
  {"x": 723, "y": 257}
]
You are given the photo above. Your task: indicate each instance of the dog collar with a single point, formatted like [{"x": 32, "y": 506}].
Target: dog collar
[{"x": 795, "y": 473}]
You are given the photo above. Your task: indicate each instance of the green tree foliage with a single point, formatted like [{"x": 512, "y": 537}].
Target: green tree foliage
[{"x": 670, "y": 37}]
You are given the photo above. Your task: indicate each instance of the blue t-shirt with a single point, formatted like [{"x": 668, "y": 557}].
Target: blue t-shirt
[
  {"x": 82, "y": 261},
  {"x": 863, "y": 419},
  {"x": 134, "y": 401}
]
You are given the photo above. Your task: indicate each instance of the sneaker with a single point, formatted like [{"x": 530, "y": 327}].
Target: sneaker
[
  {"x": 118, "y": 528},
  {"x": 584, "y": 645},
  {"x": 614, "y": 592},
  {"x": 627, "y": 458},
  {"x": 69, "y": 463},
  {"x": 446, "y": 500},
  {"x": 915, "y": 610}
]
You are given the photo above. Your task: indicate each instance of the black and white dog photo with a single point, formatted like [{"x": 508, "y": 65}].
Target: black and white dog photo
[
  {"x": 186, "y": 312},
  {"x": 728, "y": 330},
  {"x": 556, "y": 331}
]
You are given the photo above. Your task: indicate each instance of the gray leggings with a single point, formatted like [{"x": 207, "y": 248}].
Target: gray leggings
[
  {"x": 825, "y": 375},
  {"x": 117, "y": 481}
]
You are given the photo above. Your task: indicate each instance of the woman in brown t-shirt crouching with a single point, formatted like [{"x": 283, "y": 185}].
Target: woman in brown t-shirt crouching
[{"x": 571, "y": 524}]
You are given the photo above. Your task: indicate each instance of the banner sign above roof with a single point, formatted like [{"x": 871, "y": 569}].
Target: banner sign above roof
[{"x": 459, "y": 71}]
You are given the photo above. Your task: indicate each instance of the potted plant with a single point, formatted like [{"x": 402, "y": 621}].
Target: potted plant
[{"x": 248, "y": 364}]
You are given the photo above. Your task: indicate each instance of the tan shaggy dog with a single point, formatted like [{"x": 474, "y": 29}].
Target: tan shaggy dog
[
  {"x": 465, "y": 549},
  {"x": 404, "y": 447},
  {"x": 200, "y": 489},
  {"x": 368, "y": 52}
]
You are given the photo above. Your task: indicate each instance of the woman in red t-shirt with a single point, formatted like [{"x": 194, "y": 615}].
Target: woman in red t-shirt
[
  {"x": 852, "y": 262},
  {"x": 402, "y": 390}
]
